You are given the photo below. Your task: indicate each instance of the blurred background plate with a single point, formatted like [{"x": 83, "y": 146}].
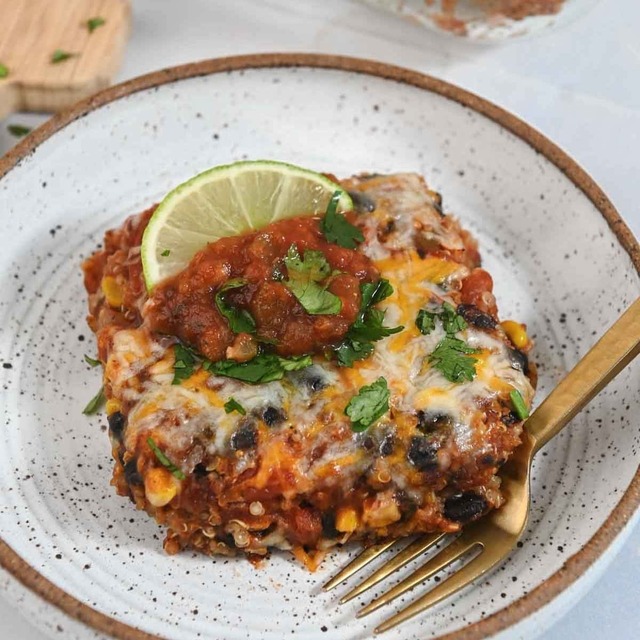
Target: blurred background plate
[{"x": 562, "y": 260}]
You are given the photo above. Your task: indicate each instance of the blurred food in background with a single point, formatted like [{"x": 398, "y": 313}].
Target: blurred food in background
[{"x": 488, "y": 20}]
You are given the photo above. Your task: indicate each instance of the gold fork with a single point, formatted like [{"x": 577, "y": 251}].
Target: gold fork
[{"x": 494, "y": 536}]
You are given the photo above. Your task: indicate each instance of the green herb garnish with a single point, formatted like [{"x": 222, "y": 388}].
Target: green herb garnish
[
  {"x": 94, "y": 23},
  {"x": 349, "y": 351},
  {"x": 262, "y": 368},
  {"x": 425, "y": 321},
  {"x": 368, "y": 326},
  {"x": 95, "y": 404},
  {"x": 452, "y": 322},
  {"x": 452, "y": 357},
  {"x": 60, "y": 56},
  {"x": 336, "y": 228},
  {"x": 165, "y": 253},
  {"x": 186, "y": 360},
  {"x": 164, "y": 461},
  {"x": 305, "y": 275},
  {"x": 371, "y": 403},
  {"x": 92, "y": 362},
  {"x": 240, "y": 320},
  {"x": 233, "y": 405},
  {"x": 4, "y": 70},
  {"x": 519, "y": 405},
  {"x": 18, "y": 130}
]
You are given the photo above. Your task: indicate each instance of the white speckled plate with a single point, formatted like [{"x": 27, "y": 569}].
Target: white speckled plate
[{"x": 562, "y": 260}]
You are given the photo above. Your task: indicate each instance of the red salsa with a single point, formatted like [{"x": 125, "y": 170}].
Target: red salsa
[{"x": 185, "y": 305}]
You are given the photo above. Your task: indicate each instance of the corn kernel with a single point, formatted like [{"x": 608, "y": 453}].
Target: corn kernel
[
  {"x": 160, "y": 486},
  {"x": 113, "y": 405},
  {"x": 346, "y": 520},
  {"x": 516, "y": 332},
  {"x": 112, "y": 291}
]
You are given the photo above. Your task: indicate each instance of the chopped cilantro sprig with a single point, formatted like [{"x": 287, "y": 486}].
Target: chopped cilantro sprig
[
  {"x": 164, "y": 461},
  {"x": 451, "y": 321},
  {"x": 337, "y": 229},
  {"x": 452, "y": 357},
  {"x": 95, "y": 404},
  {"x": 370, "y": 404},
  {"x": 265, "y": 367},
  {"x": 94, "y": 23},
  {"x": 186, "y": 360},
  {"x": 232, "y": 405},
  {"x": 240, "y": 320},
  {"x": 519, "y": 406},
  {"x": 305, "y": 275},
  {"x": 368, "y": 326}
]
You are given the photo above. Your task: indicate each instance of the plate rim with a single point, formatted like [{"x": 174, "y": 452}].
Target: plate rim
[{"x": 577, "y": 564}]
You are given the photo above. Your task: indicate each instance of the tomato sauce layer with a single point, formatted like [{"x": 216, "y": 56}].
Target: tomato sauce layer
[{"x": 185, "y": 305}]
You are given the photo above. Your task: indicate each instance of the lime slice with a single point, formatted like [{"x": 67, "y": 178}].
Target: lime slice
[{"x": 226, "y": 201}]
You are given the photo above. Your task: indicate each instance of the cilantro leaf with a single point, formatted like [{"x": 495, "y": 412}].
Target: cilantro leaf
[
  {"x": 305, "y": 274},
  {"x": 451, "y": 321},
  {"x": 18, "y": 130},
  {"x": 348, "y": 351},
  {"x": 371, "y": 403},
  {"x": 240, "y": 320},
  {"x": 60, "y": 56},
  {"x": 368, "y": 326},
  {"x": 425, "y": 321},
  {"x": 164, "y": 461},
  {"x": 374, "y": 292},
  {"x": 92, "y": 362},
  {"x": 371, "y": 328},
  {"x": 95, "y": 404},
  {"x": 94, "y": 23},
  {"x": 165, "y": 253},
  {"x": 452, "y": 358},
  {"x": 4, "y": 70},
  {"x": 186, "y": 360},
  {"x": 519, "y": 405},
  {"x": 337, "y": 229},
  {"x": 263, "y": 368},
  {"x": 232, "y": 405}
]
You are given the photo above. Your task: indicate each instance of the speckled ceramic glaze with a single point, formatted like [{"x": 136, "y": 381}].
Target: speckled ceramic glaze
[{"x": 557, "y": 265}]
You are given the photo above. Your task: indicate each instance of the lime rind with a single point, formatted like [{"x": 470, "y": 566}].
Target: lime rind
[{"x": 228, "y": 200}]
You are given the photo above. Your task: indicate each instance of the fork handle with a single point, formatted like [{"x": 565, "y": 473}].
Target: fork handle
[{"x": 611, "y": 354}]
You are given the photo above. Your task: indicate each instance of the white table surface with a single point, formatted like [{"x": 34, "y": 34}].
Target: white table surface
[{"x": 579, "y": 85}]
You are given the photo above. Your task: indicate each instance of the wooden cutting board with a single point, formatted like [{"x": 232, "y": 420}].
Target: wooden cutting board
[{"x": 32, "y": 31}]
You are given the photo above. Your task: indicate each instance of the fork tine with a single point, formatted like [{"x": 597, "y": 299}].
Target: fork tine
[
  {"x": 361, "y": 560},
  {"x": 449, "y": 554},
  {"x": 404, "y": 557},
  {"x": 485, "y": 560}
]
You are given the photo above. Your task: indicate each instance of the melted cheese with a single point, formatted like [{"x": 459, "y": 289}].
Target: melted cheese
[{"x": 314, "y": 443}]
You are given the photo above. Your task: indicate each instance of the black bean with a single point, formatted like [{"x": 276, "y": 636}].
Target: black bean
[
  {"x": 200, "y": 471},
  {"x": 406, "y": 504},
  {"x": 329, "y": 530},
  {"x": 313, "y": 382},
  {"x": 519, "y": 360},
  {"x": 477, "y": 318},
  {"x": 510, "y": 418},
  {"x": 423, "y": 454},
  {"x": 387, "y": 445},
  {"x": 362, "y": 202},
  {"x": 272, "y": 416},
  {"x": 464, "y": 507},
  {"x": 131, "y": 474},
  {"x": 368, "y": 443},
  {"x": 245, "y": 437},
  {"x": 117, "y": 423},
  {"x": 430, "y": 421}
]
